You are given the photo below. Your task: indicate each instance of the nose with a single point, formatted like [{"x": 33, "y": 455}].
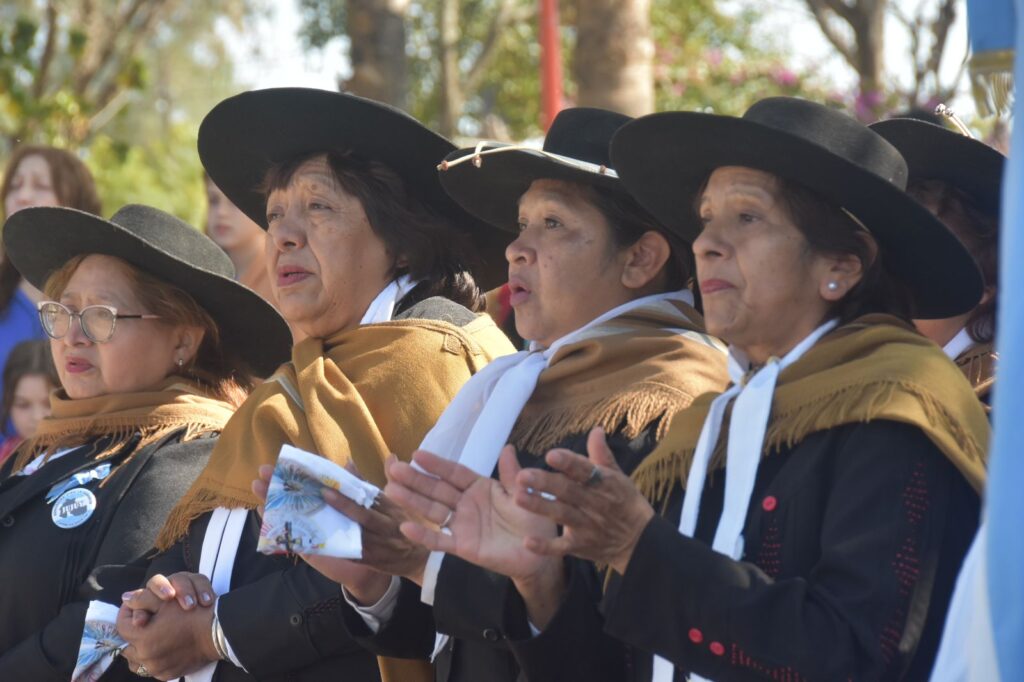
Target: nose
[
  {"x": 288, "y": 232},
  {"x": 709, "y": 243},
  {"x": 75, "y": 336},
  {"x": 520, "y": 250}
]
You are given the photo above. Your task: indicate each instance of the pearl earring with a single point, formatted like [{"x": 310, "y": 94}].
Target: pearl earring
[
  {"x": 181, "y": 363},
  {"x": 833, "y": 286}
]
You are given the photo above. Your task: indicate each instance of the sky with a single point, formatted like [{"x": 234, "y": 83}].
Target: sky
[{"x": 271, "y": 54}]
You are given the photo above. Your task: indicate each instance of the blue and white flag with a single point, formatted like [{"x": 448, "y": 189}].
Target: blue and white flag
[{"x": 984, "y": 636}]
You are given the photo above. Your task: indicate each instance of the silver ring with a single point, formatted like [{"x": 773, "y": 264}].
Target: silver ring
[
  {"x": 448, "y": 519},
  {"x": 142, "y": 672},
  {"x": 594, "y": 478}
]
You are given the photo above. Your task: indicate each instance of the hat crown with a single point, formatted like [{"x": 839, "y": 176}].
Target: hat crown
[
  {"x": 584, "y": 134},
  {"x": 832, "y": 130},
  {"x": 175, "y": 237}
]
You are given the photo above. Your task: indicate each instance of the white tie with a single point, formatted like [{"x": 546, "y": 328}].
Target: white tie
[{"x": 747, "y": 428}]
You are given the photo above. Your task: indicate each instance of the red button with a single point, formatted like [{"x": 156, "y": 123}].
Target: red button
[
  {"x": 769, "y": 503},
  {"x": 717, "y": 649},
  {"x": 696, "y": 636}
]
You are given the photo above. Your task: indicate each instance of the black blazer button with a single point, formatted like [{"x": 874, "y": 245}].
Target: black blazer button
[
  {"x": 491, "y": 635},
  {"x": 295, "y": 619},
  {"x": 8, "y": 521}
]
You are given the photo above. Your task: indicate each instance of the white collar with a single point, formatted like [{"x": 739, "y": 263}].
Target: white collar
[{"x": 958, "y": 345}]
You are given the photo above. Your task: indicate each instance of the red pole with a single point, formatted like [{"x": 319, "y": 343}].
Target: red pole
[{"x": 550, "y": 61}]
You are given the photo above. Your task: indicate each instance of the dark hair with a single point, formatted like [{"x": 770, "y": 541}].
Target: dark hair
[
  {"x": 830, "y": 230},
  {"x": 73, "y": 185},
  {"x": 979, "y": 232},
  {"x": 28, "y": 358},
  {"x": 629, "y": 221},
  {"x": 217, "y": 366},
  {"x": 435, "y": 252}
]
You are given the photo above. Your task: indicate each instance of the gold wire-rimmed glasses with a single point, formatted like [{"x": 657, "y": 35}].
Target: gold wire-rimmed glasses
[{"x": 98, "y": 322}]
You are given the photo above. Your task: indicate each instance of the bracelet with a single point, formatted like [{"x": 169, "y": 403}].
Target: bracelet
[{"x": 220, "y": 642}]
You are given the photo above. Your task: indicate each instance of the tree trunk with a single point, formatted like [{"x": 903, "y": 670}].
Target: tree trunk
[
  {"x": 869, "y": 28},
  {"x": 613, "y": 61},
  {"x": 376, "y": 29},
  {"x": 451, "y": 80}
]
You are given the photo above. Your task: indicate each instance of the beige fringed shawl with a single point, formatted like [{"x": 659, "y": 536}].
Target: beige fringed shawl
[
  {"x": 876, "y": 367},
  {"x": 360, "y": 395},
  {"x": 174, "y": 404},
  {"x": 629, "y": 373}
]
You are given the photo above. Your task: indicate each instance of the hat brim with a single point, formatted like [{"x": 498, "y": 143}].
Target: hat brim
[
  {"x": 491, "y": 191},
  {"x": 243, "y": 136},
  {"x": 663, "y": 159},
  {"x": 935, "y": 153},
  {"x": 40, "y": 241}
]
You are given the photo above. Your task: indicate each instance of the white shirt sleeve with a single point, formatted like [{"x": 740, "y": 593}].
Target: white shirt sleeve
[
  {"x": 231, "y": 652},
  {"x": 378, "y": 614}
]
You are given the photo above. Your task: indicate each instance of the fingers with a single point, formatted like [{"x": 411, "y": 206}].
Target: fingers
[
  {"x": 457, "y": 475},
  {"x": 141, "y": 605},
  {"x": 557, "y": 546},
  {"x": 508, "y": 467},
  {"x": 577, "y": 467},
  {"x": 557, "y": 485},
  {"x": 417, "y": 504},
  {"x": 433, "y": 540},
  {"x": 265, "y": 472},
  {"x": 160, "y": 586},
  {"x": 198, "y": 584},
  {"x": 597, "y": 447},
  {"x": 425, "y": 485},
  {"x": 561, "y": 511},
  {"x": 357, "y": 512},
  {"x": 259, "y": 489}
]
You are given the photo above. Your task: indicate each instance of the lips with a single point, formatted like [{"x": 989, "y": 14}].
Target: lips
[
  {"x": 518, "y": 292},
  {"x": 710, "y": 286},
  {"x": 288, "y": 275},
  {"x": 76, "y": 365}
]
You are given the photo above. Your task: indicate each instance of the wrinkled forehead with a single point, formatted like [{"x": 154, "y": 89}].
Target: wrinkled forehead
[
  {"x": 740, "y": 181},
  {"x": 100, "y": 279}
]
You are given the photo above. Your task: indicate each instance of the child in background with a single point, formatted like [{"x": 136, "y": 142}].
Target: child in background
[{"x": 28, "y": 378}]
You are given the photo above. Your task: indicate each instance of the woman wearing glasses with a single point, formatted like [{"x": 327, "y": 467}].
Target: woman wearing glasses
[{"x": 151, "y": 337}]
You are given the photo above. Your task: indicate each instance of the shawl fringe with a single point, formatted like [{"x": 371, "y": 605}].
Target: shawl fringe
[
  {"x": 202, "y": 501},
  {"x": 856, "y": 403},
  {"x": 629, "y": 413}
]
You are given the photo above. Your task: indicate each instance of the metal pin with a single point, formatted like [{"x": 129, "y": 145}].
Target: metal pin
[{"x": 943, "y": 110}]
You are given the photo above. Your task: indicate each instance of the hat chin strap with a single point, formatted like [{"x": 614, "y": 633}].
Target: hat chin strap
[{"x": 499, "y": 148}]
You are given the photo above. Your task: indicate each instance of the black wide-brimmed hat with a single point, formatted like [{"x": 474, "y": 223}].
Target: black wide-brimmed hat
[
  {"x": 243, "y": 136},
  {"x": 663, "y": 159},
  {"x": 933, "y": 152},
  {"x": 39, "y": 241},
  {"x": 487, "y": 180}
]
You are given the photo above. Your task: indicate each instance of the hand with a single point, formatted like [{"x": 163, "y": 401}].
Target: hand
[
  {"x": 175, "y": 642},
  {"x": 386, "y": 551},
  {"x": 188, "y": 589},
  {"x": 601, "y": 518},
  {"x": 484, "y": 526}
]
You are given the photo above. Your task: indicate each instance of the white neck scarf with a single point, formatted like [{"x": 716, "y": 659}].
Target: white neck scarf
[
  {"x": 477, "y": 423},
  {"x": 383, "y": 307},
  {"x": 958, "y": 344},
  {"x": 747, "y": 428}
]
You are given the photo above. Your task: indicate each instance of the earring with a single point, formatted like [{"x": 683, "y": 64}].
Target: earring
[
  {"x": 181, "y": 363},
  {"x": 833, "y": 286}
]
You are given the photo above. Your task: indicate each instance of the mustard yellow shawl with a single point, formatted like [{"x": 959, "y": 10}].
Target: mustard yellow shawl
[{"x": 876, "y": 367}]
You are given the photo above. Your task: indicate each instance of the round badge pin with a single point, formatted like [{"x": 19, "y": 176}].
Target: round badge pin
[{"x": 73, "y": 508}]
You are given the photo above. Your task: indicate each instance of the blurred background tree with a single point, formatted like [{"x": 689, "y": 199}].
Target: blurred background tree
[{"x": 124, "y": 84}]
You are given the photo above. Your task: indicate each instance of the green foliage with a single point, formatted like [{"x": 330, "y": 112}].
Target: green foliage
[
  {"x": 707, "y": 60},
  {"x": 134, "y": 118}
]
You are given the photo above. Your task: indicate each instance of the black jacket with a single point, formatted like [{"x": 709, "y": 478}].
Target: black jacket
[
  {"x": 282, "y": 618},
  {"x": 45, "y": 589},
  {"x": 470, "y": 602},
  {"x": 853, "y": 542}
]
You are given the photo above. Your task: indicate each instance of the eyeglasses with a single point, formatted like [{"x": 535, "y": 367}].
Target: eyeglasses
[{"x": 97, "y": 321}]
